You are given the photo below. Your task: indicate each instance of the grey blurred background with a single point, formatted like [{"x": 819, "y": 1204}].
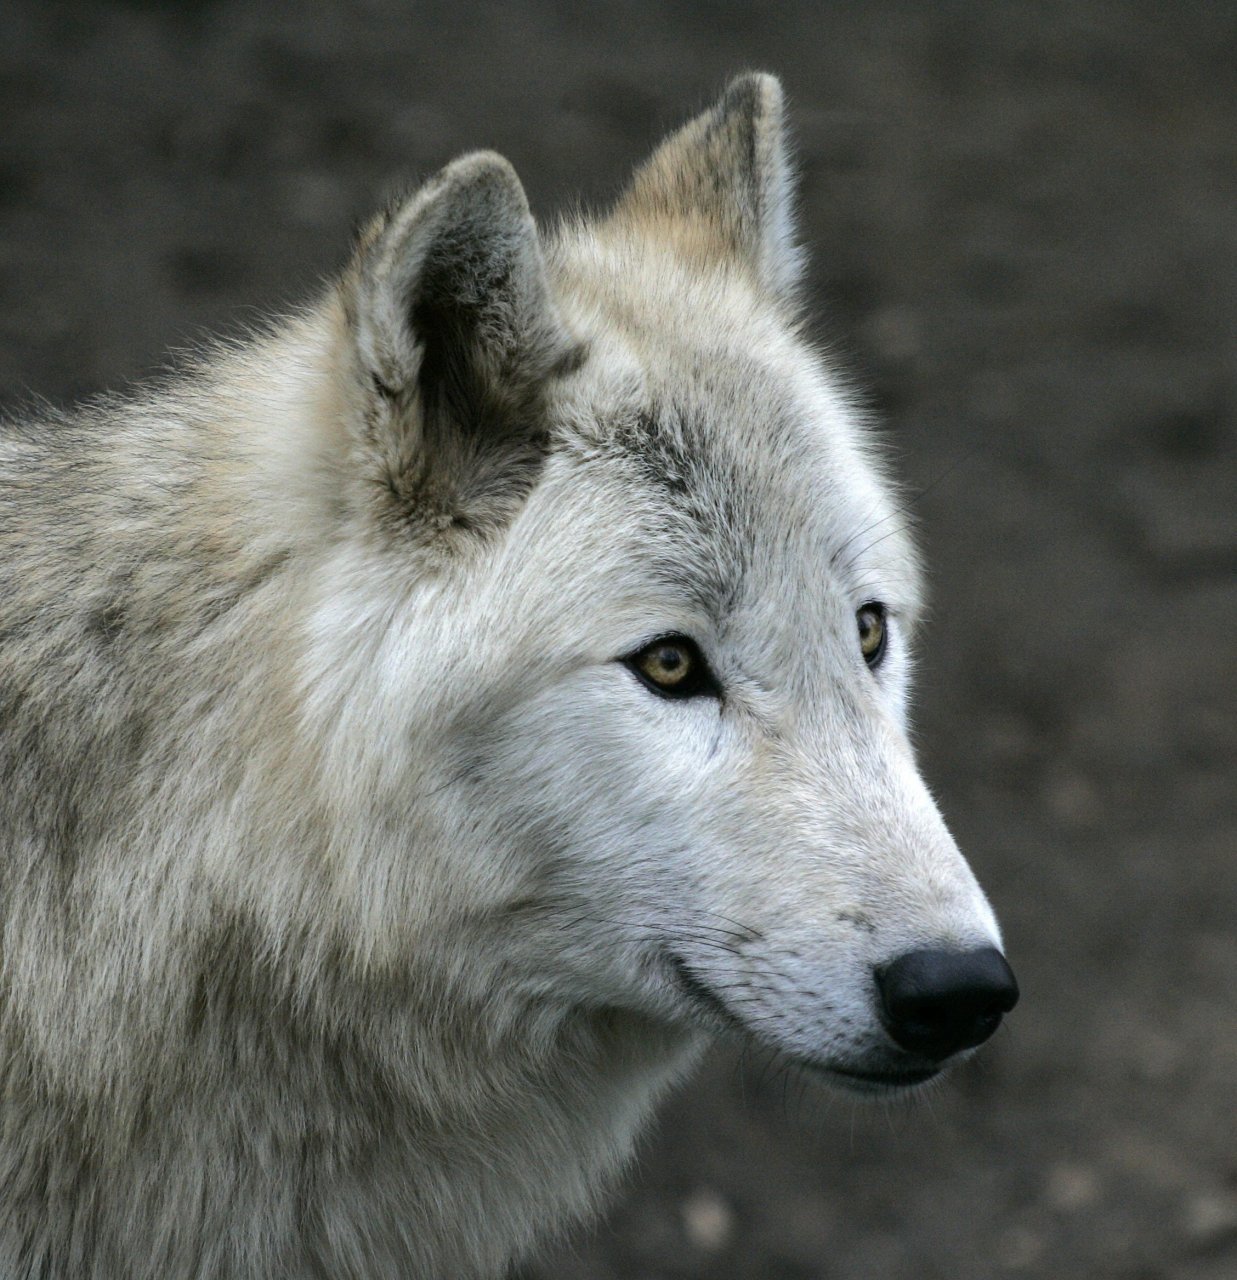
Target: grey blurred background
[{"x": 1022, "y": 220}]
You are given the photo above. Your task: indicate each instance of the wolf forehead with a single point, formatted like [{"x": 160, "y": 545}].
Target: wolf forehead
[{"x": 731, "y": 428}]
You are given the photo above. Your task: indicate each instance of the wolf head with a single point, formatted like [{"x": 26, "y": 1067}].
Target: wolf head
[{"x": 613, "y": 645}]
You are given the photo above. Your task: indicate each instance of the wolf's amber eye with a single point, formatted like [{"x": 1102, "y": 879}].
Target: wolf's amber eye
[
  {"x": 871, "y": 620},
  {"x": 674, "y": 667}
]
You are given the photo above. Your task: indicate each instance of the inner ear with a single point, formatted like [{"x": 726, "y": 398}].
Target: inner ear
[
  {"x": 458, "y": 269},
  {"x": 457, "y": 336}
]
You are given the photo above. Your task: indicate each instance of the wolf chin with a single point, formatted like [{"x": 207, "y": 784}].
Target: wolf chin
[{"x": 425, "y": 724}]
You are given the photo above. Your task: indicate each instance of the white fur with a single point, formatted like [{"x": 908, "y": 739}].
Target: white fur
[{"x": 351, "y": 875}]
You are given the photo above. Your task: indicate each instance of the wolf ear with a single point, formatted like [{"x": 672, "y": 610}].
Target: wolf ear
[
  {"x": 721, "y": 185},
  {"x": 456, "y": 333}
]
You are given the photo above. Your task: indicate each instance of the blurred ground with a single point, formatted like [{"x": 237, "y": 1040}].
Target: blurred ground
[{"x": 1023, "y": 222}]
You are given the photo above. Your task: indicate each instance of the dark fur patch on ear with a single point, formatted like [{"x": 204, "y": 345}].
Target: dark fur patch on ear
[
  {"x": 459, "y": 338},
  {"x": 386, "y": 392},
  {"x": 467, "y": 482},
  {"x": 572, "y": 360}
]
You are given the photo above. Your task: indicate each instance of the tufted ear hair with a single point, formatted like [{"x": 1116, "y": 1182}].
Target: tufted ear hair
[
  {"x": 455, "y": 334},
  {"x": 721, "y": 186}
]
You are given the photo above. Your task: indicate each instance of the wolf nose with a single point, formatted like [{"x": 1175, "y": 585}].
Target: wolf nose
[{"x": 937, "y": 1003}]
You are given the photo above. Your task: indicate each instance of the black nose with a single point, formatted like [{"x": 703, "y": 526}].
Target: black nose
[{"x": 937, "y": 1003}]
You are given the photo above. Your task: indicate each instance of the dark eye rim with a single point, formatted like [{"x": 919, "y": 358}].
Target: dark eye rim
[
  {"x": 876, "y": 657},
  {"x": 701, "y": 682}
]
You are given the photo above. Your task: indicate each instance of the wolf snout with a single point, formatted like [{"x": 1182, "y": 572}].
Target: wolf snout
[{"x": 936, "y": 1003}]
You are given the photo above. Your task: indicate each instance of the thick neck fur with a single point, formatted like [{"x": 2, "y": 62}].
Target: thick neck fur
[
  {"x": 495, "y": 1128},
  {"x": 180, "y": 1055}
]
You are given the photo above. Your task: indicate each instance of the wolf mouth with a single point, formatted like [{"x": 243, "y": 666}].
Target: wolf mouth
[
  {"x": 703, "y": 997},
  {"x": 705, "y": 1000},
  {"x": 878, "y": 1081}
]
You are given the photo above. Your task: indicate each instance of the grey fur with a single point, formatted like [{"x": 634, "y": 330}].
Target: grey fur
[{"x": 353, "y": 889}]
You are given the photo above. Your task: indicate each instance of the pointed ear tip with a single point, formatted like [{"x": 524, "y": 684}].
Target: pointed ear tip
[
  {"x": 481, "y": 161},
  {"x": 484, "y": 171},
  {"x": 760, "y": 92}
]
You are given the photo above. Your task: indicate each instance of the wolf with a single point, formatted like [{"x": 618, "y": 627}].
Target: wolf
[{"x": 427, "y": 723}]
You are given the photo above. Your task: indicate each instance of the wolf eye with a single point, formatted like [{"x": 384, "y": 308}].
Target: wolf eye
[
  {"x": 674, "y": 667},
  {"x": 871, "y": 620}
]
